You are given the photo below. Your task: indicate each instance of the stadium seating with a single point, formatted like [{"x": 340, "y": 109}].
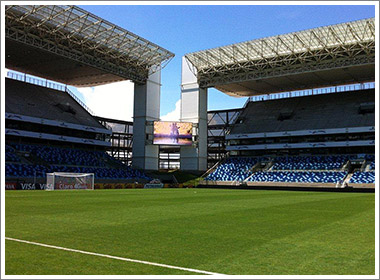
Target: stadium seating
[
  {"x": 46, "y": 103},
  {"x": 233, "y": 169},
  {"x": 370, "y": 157},
  {"x": 56, "y": 159},
  {"x": 39, "y": 171},
  {"x": 363, "y": 177},
  {"x": 10, "y": 155},
  {"x": 54, "y": 155},
  {"x": 25, "y": 170},
  {"x": 298, "y": 177},
  {"x": 309, "y": 112},
  {"x": 309, "y": 162},
  {"x": 303, "y": 169},
  {"x": 371, "y": 160},
  {"x": 372, "y": 165}
]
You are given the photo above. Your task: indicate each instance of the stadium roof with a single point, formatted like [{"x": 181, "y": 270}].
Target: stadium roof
[
  {"x": 330, "y": 55},
  {"x": 70, "y": 45}
]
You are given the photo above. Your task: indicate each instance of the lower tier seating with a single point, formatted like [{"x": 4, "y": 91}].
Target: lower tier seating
[
  {"x": 372, "y": 165},
  {"x": 24, "y": 170},
  {"x": 46, "y": 159},
  {"x": 310, "y": 162},
  {"x": 363, "y": 177},
  {"x": 10, "y": 154},
  {"x": 303, "y": 169},
  {"x": 298, "y": 177},
  {"x": 39, "y": 171},
  {"x": 233, "y": 169},
  {"x": 59, "y": 155}
]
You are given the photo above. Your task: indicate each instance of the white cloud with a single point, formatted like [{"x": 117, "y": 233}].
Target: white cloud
[
  {"x": 175, "y": 114},
  {"x": 113, "y": 101}
]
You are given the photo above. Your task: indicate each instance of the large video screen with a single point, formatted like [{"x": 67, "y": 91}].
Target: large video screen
[{"x": 172, "y": 133}]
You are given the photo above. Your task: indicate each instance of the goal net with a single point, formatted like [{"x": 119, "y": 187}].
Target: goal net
[{"x": 69, "y": 181}]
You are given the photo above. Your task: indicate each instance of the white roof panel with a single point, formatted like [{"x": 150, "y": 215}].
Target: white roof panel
[{"x": 287, "y": 44}]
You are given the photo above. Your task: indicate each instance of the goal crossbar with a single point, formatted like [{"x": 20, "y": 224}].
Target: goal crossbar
[{"x": 69, "y": 181}]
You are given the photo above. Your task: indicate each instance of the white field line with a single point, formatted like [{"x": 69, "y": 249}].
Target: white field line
[{"x": 114, "y": 257}]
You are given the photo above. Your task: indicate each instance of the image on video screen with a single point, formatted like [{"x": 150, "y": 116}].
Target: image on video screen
[{"x": 172, "y": 133}]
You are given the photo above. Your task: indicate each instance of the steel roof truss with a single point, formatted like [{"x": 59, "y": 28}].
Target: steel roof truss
[
  {"x": 332, "y": 45},
  {"x": 72, "y": 27}
]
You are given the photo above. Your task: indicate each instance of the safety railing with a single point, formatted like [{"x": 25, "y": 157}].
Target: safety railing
[{"x": 308, "y": 92}]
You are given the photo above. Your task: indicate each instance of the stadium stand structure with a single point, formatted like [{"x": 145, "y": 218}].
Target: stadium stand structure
[
  {"x": 66, "y": 44},
  {"x": 324, "y": 111},
  {"x": 320, "y": 60},
  {"x": 315, "y": 170},
  {"x": 38, "y": 112},
  {"x": 45, "y": 103},
  {"x": 47, "y": 130},
  {"x": 324, "y": 140}
]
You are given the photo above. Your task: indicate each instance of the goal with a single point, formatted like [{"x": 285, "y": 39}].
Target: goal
[{"x": 69, "y": 181}]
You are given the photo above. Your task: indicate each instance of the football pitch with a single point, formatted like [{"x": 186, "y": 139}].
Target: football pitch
[{"x": 189, "y": 231}]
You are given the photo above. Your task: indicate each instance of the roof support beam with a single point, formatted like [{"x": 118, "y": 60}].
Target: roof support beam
[
  {"x": 320, "y": 49},
  {"x": 59, "y": 28}
]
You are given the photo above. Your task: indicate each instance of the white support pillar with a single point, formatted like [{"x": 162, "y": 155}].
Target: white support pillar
[
  {"x": 146, "y": 108},
  {"x": 194, "y": 109}
]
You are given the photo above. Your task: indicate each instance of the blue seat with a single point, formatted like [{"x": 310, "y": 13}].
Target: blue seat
[
  {"x": 310, "y": 162},
  {"x": 68, "y": 160},
  {"x": 301, "y": 169},
  {"x": 298, "y": 176},
  {"x": 363, "y": 177},
  {"x": 233, "y": 169},
  {"x": 10, "y": 154}
]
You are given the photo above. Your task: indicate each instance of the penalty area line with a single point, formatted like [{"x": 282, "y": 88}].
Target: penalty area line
[{"x": 114, "y": 257}]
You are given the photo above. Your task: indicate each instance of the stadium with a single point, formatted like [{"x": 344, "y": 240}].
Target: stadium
[{"x": 284, "y": 185}]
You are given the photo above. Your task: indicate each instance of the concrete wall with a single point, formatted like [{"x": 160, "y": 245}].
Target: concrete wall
[
  {"x": 146, "y": 108},
  {"x": 193, "y": 109}
]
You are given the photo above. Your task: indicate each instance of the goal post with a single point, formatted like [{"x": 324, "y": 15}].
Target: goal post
[{"x": 69, "y": 181}]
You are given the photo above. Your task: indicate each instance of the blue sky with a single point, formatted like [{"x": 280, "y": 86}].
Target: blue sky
[{"x": 184, "y": 29}]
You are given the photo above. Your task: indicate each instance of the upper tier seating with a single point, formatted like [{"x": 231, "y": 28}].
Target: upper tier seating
[
  {"x": 298, "y": 177},
  {"x": 46, "y": 103},
  {"x": 334, "y": 110},
  {"x": 233, "y": 169},
  {"x": 370, "y": 157},
  {"x": 363, "y": 177},
  {"x": 309, "y": 162}
]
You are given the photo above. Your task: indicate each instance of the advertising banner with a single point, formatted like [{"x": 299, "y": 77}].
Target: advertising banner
[{"x": 10, "y": 185}]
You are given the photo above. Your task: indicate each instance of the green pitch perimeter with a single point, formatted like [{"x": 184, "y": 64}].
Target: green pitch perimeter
[{"x": 223, "y": 231}]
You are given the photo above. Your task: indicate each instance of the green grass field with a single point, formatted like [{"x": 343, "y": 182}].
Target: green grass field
[{"x": 223, "y": 231}]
